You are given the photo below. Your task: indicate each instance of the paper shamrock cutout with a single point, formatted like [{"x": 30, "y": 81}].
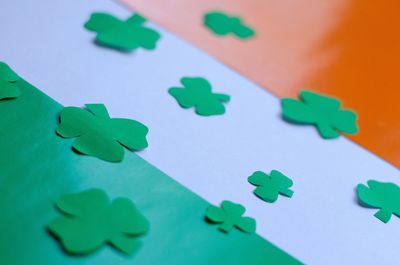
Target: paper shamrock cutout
[
  {"x": 8, "y": 78},
  {"x": 269, "y": 187},
  {"x": 124, "y": 35},
  {"x": 230, "y": 215},
  {"x": 90, "y": 220},
  {"x": 98, "y": 135},
  {"x": 197, "y": 93},
  {"x": 322, "y": 111},
  {"x": 383, "y": 195},
  {"x": 223, "y": 24}
]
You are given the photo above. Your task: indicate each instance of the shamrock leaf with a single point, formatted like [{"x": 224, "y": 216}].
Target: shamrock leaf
[
  {"x": 8, "y": 79},
  {"x": 90, "y": 221},
  {"x": 230, "y": 215},
  {"x": 223, "y": 24},
  {"x": 385, "y": 196},
  {"x": 270, "y": 186},
  {"x": 124, "y": 35},
  {"x": 98, "y": 134},
  {"x": 197, "y": 93},
  {"x": 322, "y": 111}
]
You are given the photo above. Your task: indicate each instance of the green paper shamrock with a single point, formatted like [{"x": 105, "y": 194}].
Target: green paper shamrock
[
  {"x": 197, "y": 93},
  {"x": 385, "y": 196},
  {"x": 90, "y": 221},
  {"x": 223, "y": 24},
  {"x": 98, "y": 135},
  {"x": 269, "y": 187},
  {"x": 322, "y": 111},
  {"x": 230, "y": 215},
  {"x": 124, "y": 35},
  {"x": 8, "y": 79}
]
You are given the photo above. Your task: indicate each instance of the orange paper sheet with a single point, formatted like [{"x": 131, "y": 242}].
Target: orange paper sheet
[{"x": 345, "y": 48}]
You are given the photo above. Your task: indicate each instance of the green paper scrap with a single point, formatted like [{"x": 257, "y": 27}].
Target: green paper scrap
[
  {"x": 223, "y": 24},
  {"x": 229, "y": 216},
  {"x": 322, "y": 111},
  {"x": 100, "y": 136},
  {"x": 90, "y": 221},
  {"x": 269, "y": 187},
  {"x": 123, "y": 35},
  {"x": 40, "y": 166},
  {"x": 197, "y": 93},
  {"x": 383, "y": 195},
  {"x": 8, "y": 78}
]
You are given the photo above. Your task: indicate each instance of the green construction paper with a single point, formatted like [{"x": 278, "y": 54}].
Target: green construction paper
[
  {"x": 8, "y": 86},
  {"x": 197, "y": 93},
  {"x": 229, "y": 216},
  {"x": 123, "y": 35},
  {"x": 90, "y": 221},
  {"x": 223, "y": 24},
  {"x": 38, "y": 167},
  {"x": 100, "y": 136},
  {"x": 269, "y": 187},
  {"x": 322, "y": 111},
  {"x": 383, "y": 195}
]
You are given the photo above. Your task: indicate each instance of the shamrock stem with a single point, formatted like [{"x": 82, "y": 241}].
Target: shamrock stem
[
  {"x": 383, "y": 215},
  {"x": 287, "y": 193},
  {"x": 223, "y": 97}
]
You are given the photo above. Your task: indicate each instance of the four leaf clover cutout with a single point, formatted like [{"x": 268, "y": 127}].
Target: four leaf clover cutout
[
  {"x": 197, "y": 93},
  {"x": 322, "y": 111},
  {"x": 99, "y": 135},
  {"x": 90, "y": 220},
  {"x": 123, "y": 35},
  {"x": 8, "y": 82}
]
